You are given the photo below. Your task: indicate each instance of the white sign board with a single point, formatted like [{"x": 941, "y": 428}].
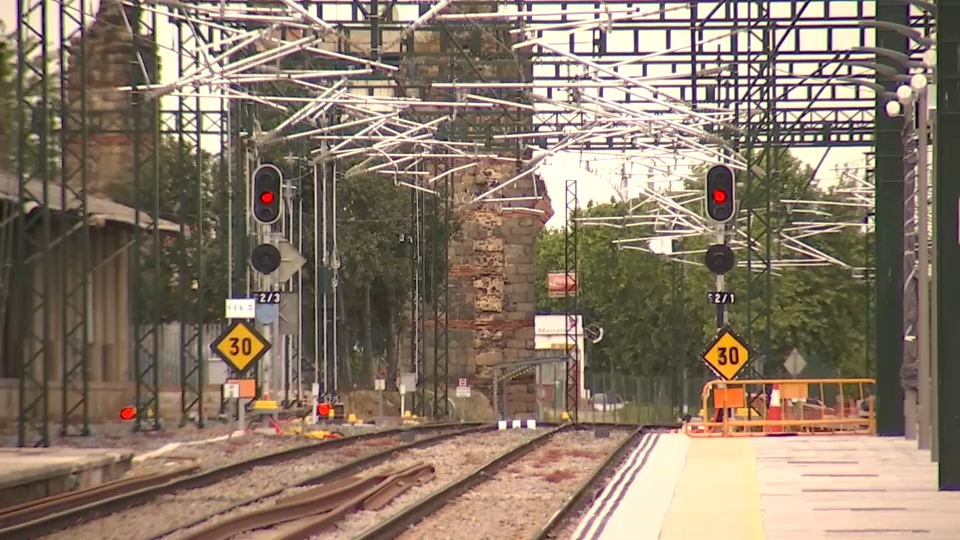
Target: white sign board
[
  {"x": 407, "y": 380},
  {"x": 795, "y": 363},
  {"x": 231, "y": 390},
  {"x": 551, "y": 334},
  {"x": 380, "y": 384},
  {"x": 556, "y": 325},
  {"x": 241, "y": 308},
  {"x": 463, "y": 391}
]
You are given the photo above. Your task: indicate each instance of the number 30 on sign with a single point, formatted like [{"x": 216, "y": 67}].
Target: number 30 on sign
[
  {"x": 240, "y": 346},
  {"x": 727, "y": 355}
]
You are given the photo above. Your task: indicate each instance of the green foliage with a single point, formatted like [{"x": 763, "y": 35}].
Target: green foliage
[{"x": 654, "y": 311}]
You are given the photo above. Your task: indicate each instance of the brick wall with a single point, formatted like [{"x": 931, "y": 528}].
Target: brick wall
[{"x": 491, "y": 283}]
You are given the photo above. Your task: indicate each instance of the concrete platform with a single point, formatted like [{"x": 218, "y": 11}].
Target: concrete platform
[
  {"x": 852, "y": 488},
  {"x": 27, "y": 474},
  {"x": 789, "y": 488}
]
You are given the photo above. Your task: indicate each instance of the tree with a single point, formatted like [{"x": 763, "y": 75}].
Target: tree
[
  {"x": 629, "y": 293},
  {"x": 650, "y": 328}
]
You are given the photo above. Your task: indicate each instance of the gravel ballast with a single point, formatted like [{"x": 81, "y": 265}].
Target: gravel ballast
[
  {"x": 170, "y": 511},
  {"x": 452, "y": 459},
  {"x": 517, "y": 501}
]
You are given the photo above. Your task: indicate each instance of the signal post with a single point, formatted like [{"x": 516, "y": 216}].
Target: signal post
[
  {"x": 265, "y": 257},
  {"x": 727, "y": 354},
  {"x": 719, "y": 259}
]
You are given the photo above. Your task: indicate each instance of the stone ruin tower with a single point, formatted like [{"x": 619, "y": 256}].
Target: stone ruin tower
[
  {"x": 108, "y": 57},
  {"x": 492, "y": 274}
]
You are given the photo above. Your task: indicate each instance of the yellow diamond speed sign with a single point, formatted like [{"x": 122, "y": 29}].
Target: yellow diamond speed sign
[
  {"x": 240, "y": 346},
  {"x": 727, "y": 354}
]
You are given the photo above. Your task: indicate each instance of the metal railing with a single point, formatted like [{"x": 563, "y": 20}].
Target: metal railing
[{"x": 806, "y": 407}]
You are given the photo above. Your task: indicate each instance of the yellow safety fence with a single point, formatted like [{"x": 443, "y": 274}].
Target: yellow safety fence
[{"x": 807, "y": 407}]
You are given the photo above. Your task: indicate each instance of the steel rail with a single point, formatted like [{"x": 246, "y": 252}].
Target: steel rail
[
  {"x": 71, "y": 517},
  {"x": 595, "y": 481},
  {"x": 334, "y": 475},
  {"x": 398, "y": 524},
  {"x": 31, "y": 510},
  {"x": 324, "y": 499},
  {"x": 374, "y": 498}
]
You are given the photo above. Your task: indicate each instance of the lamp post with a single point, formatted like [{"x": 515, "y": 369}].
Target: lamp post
[
  {"x": 916, "y": 92},
  {"x": 913, "y": 94}
]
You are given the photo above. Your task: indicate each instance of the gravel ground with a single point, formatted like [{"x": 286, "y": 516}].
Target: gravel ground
[
  {"x": 224, "y": 452},
  {"x": 452, "y": 460},
  {"x": 180, "y": 509},
  {"x": 520, "y": 499}
]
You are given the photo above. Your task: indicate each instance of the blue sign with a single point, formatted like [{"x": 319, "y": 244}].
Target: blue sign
[{"x": 267, "y": 313}]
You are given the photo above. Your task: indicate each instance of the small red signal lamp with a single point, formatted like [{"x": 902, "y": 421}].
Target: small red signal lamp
[
  {"x": 266, "y": 197},
  {"x": 128, "y": 413},
  {"x": 719, "y": 196},
  {"x": 323, "y": 409}
]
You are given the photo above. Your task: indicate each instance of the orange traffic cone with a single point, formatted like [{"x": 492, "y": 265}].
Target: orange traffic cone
[{"x": 774, "y": 412}]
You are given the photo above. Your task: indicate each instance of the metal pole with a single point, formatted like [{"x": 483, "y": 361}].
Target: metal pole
[
  {"x": 268, "y": 284},
  {"x": 335, "y": 280},
  {"x": 720, "y": 282},
  {"x": 910, "y": 268},
  {"x": 325, "y": 258},
  {"x": 934, "y": 314},
  {"x": 923, "y": 276},
  {"x": 317, "y": 291}
]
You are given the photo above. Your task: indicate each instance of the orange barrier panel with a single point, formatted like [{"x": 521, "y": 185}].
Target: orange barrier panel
[
  {"x": 806, "y": 407},
  {"x": 729, "y": 398}
]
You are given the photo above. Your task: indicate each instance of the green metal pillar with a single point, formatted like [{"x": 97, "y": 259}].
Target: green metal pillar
[
  {"x": 947, "y": 238},
  {"x": 191, "y": 184},
  {"x": 146, "y": 290},
  {"x": 439, "y": 258},
  {"x": 76, "y": 279},
  {"x": 33, "y": 264},
  {"x": 889, "y": 233}
]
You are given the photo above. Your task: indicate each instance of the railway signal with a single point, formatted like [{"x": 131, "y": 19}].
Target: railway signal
[
  {"x": 265, "y": 258},
  {"x": 721, "y": 193},
  {"x": 267, "y": 196},
  {"x": 720, "y": 259}
]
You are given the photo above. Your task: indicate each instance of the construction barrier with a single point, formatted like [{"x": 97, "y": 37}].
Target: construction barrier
[{"x": 756, "y": 408}]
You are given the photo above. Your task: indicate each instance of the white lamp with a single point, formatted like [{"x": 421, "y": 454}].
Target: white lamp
[
  {"x": 918, "y": 81},
  {"x": 904, "y": 93},
  {"x": 893, "y": 108},
  {"x": 930, "y": 58}
]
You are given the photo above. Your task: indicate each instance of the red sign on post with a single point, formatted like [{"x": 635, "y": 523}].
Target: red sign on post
[
  {"x": 463, "y": 383},
  {"x": 560, "y": 285}
]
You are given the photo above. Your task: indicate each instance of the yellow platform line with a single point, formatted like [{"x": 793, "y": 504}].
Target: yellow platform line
[{"x": 717, "y": 495}]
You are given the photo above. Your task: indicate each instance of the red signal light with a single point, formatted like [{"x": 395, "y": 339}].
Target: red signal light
[
  {"x": 719, "y": 196},
  {"x": 128, "y": 413},
  {"x": 323, "y": 410},
  {"x": 266, "y": 197}
]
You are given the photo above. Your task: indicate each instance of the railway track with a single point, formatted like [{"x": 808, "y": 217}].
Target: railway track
[
  {"x": 29, "y": 511},
  {"x": 284, "y": 514},
  {"x": 94, "y": 512},
  {"x": 529, "y": 491}
]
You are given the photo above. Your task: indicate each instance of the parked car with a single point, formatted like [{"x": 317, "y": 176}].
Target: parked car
[{"x": 607, "y": 402}]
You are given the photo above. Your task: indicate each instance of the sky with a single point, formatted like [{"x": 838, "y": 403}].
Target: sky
[{"x": 597, "y": 181}]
